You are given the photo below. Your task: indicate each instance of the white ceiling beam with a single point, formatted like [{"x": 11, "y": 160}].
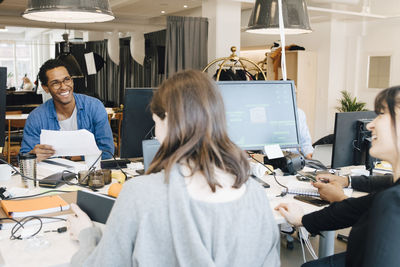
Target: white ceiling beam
[
  {"x": 344, "y": 12},
  {"x": 121, "y": 3}
]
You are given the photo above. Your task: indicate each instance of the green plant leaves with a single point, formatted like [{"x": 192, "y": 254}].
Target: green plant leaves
[{"x": 348, "y": 103}]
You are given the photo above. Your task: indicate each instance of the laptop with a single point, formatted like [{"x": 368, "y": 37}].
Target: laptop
[
  {"x": 150, "y": 148},
  {"x": 96, "y": 206}
]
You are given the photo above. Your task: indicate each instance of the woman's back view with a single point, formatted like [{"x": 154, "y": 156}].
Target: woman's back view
[{"x": 196, "y": 206}]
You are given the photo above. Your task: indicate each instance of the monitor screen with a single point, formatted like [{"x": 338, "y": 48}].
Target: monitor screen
[
  {"x": 137, "y": 123},
  {"x": 3, "y": 82},
  {"x": 345, "y": 136},
  {"x": 260, "y": 113}
]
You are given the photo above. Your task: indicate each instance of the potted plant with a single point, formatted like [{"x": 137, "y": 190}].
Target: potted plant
[{"x": 349, "y": 104}]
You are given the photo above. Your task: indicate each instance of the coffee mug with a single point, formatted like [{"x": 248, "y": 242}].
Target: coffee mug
[{"x": 5, "y": 172}]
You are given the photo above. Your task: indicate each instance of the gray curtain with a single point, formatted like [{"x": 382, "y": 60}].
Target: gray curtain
[
  {"x": 155, "y": 58},
  {"x": 104, "y": 83},
  {"x": 186, "y": 44},
  {"x": 110, "y": 82}
]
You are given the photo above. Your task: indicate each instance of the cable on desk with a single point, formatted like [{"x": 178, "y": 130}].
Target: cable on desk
[
  {"x": 149, "y": 132},
  {"x": 92, "y": 168},
  {"x": 273, "y": 173},
  {"x": 24, "y": 220},
  {"x": 118, "y": 167},
  {"x": 11, "y": 219}
]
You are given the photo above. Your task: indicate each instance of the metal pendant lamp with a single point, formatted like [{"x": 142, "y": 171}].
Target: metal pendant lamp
[
  {"x": 69, "y": 11},
  {"x": 69, "y": 60},
  {"x": 265, "y": 17}
]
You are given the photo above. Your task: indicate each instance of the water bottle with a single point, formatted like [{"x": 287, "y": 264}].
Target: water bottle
[{"x": 27, "y": 166}]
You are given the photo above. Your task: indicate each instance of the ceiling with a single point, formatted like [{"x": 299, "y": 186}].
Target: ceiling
[
  {"x": 147, "y": 16},
  {"x": 130, "y": 15}
]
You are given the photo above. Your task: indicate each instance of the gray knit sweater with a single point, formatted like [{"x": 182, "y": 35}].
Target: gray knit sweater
[{"x": 157, "y": 224}]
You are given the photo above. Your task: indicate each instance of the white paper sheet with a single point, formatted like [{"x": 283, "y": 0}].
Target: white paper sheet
[
  {"x": 70, "y": 143},
  {"x": 273, "y": 151},
  {"x": 90, "y": 64}
]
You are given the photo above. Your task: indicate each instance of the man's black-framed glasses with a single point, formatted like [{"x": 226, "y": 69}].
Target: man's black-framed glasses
[{"x": 56, "y": 84}]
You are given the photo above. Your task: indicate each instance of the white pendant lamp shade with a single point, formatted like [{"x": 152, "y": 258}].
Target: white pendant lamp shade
[
  {"x": 69, "y": 11},
  {"x": 265, "y": 17}
]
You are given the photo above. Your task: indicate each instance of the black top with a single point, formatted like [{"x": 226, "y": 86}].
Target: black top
[{"x": 375, "y": 219}]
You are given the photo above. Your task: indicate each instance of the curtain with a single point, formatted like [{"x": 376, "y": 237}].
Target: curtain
[
  {"x": 154, "y": 59},
  {"x": 110, "y": 82},
  {"x": 186, "y": 44}
]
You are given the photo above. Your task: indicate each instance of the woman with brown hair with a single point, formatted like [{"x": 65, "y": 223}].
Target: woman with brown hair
[
  {"x": 375, "y": 218},
  {"x": 196, "y": 205}
]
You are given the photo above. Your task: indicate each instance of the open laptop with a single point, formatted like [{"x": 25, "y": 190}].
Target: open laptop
[{"x": 150, "y": 148}]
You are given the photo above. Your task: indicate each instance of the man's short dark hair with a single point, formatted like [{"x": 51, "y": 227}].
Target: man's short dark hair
[{"x": 49, "y": 65}]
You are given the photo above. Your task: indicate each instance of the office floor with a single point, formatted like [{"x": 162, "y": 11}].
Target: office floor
[{"x": 294, "y": 257}]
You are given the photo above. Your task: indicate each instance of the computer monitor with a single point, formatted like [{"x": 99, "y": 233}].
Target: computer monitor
[
  {"x": 346, "y": 137},
  {"x": 137, "y": 123},
  {"x": 3, "y": 83},
  {"x": 260, "y": 113}
]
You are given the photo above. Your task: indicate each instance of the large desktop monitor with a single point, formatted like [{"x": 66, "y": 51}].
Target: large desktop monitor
[
  {"x": 3, "y": 83},
  {"x": 137, "y": 123},
  {"x": 350, "y": 145},
  {"x": 260, "y": 113}
]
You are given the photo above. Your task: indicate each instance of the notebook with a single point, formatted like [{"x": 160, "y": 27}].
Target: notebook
[
  {"x": 34, "y": 206},
  {"x": 68, "y": 197},
  {"x": 306, "y": 189}
]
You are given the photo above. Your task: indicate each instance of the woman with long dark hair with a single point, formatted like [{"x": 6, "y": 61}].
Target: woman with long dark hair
[
  {"x": 196, "y": 205},
  {"x": 375, "y": 218}
]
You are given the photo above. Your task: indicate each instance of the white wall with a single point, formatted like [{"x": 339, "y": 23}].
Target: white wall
[
  {"x": 342, "y": 49},
  {"x": 381, "y": 38}
]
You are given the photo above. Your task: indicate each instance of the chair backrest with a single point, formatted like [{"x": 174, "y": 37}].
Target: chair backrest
[{"x": 16, "y": 123}]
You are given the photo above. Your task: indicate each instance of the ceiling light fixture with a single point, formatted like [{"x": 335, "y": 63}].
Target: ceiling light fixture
[
  {"x": 280, "y": 17},
  {"x": 265, "y": 17},
  {"x": 185, "y": 6},
  {"x": 69, "y": 11}
]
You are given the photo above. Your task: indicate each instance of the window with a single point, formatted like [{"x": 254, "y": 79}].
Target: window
[{"x": 17, "y": 58}]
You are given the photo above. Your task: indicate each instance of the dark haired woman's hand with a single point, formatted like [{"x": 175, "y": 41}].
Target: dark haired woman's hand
[{"x": 292, "y": 212}]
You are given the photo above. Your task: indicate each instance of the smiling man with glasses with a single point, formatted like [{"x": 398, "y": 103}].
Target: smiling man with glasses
[{"x": 66, "y": 111}]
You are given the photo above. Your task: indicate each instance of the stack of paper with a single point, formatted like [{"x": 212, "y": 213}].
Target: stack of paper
[{"x": 307, "y": 189}]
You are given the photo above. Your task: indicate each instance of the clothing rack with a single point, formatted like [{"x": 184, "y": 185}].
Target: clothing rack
[{"x": 233, "y": 58}]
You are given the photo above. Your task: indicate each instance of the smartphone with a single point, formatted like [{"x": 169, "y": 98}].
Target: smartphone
[
  {"x": 306, "y": 176},
  {"x": 312, "y": 200}
]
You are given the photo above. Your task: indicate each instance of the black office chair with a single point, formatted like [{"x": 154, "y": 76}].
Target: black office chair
[{"x": 328, "y": 139}]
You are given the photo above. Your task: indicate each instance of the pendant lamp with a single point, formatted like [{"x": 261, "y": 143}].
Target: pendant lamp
[
  {"x": 69, "y": 11},
  {"x": 65, "y": 56},
  {"x": 265, "y": 17}
]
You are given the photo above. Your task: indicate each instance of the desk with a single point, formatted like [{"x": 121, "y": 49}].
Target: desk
[
  {"x": 57, "y": 248},
  {"x": 326, "y": 243},
  {"x": 61, "y": 248},
  {"x": 11, "y": 118}
]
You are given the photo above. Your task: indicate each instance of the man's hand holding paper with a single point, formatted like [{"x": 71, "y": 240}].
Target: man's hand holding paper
[{"x": 66, "y": 143}]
